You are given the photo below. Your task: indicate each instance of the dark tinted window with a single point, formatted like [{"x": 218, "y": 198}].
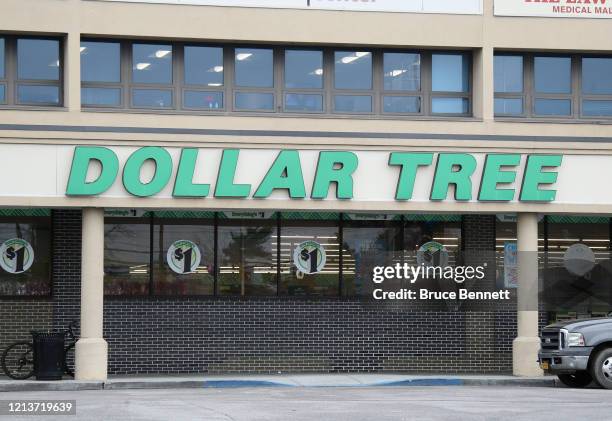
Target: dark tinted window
[
  {"x": 100, "y": 61},
  {"x": 352, "y": 70},
  {"x": 303, "y": 69},
  {"x": 553, "y": 75},
  {"x": 597, "y": 76},
  {"x": 402, "y": 72},
  {"x": 152, "y": 63},
  {"x": 38, "y": 59},
  {"x": 204, "y": 66},
  {"x": 253, "y": 67}
]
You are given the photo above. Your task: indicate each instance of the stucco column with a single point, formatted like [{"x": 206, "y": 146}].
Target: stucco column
[
  {"x": 527, "y": 343},
  {"x": 91, "y": 348}
]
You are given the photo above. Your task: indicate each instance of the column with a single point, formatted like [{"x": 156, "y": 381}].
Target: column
[
  {"x": 527, "y": 343},
  {"x": 72, "y": 71},
  {"x": 91, "y": 348}
]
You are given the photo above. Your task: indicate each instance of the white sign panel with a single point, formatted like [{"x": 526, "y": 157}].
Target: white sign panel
[
  {"x": 414, "y": 6},
  {"x": 555, "y": 8}
]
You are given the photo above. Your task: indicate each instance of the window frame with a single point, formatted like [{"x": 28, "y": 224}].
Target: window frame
[
  {"x": 12, "y": 83},
  {"x": 110, "y": 85},
  {"x": 449, "y": 94},
  {"x": 591, "y": 97},
  {"x": 274, "y": 89},
  {"x": 307, "y": 91},
  {"x": 424, "y": 80},
  {"x": 184, "y": 87},
  {"x": 526, "y": 104}
]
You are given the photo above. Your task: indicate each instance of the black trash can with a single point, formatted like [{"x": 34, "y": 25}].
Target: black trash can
[{"x": 48, "y": 355}]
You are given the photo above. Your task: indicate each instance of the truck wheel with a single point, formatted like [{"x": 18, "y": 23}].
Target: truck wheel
[
  {"x": 601, "y": 369},
  {"x": 577, "y": 379}
]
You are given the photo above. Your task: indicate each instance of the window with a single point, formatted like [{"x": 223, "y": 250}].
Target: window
[
  {"x": 207, "y": 78},
  {"x": 152, "y": 76},
  {"x": 353, "y": 75},
  {"x": 247, "y": 257},
  {"x": 28, "y": 234},
  {"x": 30, "y": 71},
  {"x": 303, "y": 81},
  {"x": 402, "y": 83},
  {"x": 127, "y": 246},
  {"x": 101, "y": 74},
  {"x": 596, "y": 87},
  {"x": 204, "y": 78},
  {"x": 450, "y": 84},
  {"x": 254, "y": 79},
  {"x": 508, "y": 82},
  {"x": 560, "y": 86}
]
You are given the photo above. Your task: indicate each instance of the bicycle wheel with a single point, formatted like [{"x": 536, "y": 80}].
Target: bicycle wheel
[
  {"x": 18, "y": 361},
  {"x": 69, "y": 360}
]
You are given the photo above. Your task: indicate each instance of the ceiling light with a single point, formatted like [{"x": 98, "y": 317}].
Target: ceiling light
[
  {"x": 348, "y": 59},
  {"x": 215, "y": 84},
  {"x": 217, "y": 69},
  {"x": 318, "y": 72},
  {"x": 397, "y": 72},
  {"x": 162, "y": 53},
  {"x": 360, "y": 54},
  {"x": 83, "y": 49},
  {"x": 142, "y": 66},
  {"x": 243, "y": 56}
]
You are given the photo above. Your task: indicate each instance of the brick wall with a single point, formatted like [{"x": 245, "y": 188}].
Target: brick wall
[
  {"x": 281, "y": 334},
  {"x": 18, "y": 317}
]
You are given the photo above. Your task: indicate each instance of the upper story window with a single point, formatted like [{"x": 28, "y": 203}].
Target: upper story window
[
  {"x": 550, "y": 85},
  {"x": 264, "y": 79},
  {"x": 30, "y": 71}
]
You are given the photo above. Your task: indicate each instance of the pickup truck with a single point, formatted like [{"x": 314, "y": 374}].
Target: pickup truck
[{"x": 578, "y": 351}]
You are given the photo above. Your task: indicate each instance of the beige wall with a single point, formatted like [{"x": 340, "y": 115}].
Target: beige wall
[{"x": 482, "y": 34}]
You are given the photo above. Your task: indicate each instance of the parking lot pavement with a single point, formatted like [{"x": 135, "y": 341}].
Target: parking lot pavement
[{"x": 380, "y": 403}]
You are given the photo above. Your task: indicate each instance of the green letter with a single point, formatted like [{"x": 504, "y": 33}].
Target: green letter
[
  {"x": 183, "y": 185},
  {"x": 453, "y": 168},
  {"x": 409, "y": 162},
  {"x": 285, "y": 173},
  {"x": 493, "y": 175},
  {"x": 225, "y": 181},
  {"x": 335, "y": 167},
  {"x": 163, "y": 171},
  {"x": 83, "y": 155},
  {"x": 534, "y": 176}
]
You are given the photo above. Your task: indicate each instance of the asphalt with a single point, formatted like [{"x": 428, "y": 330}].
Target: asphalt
[{"x": 274, "y": 381}]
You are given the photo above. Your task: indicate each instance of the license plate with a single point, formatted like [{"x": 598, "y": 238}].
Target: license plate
[{"x": 544, "y": 365}]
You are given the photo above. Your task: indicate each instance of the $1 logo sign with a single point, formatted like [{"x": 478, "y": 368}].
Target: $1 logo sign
[
  {"x": 16, "y": 255},
  {"x": 309, "y": 257},
  {"x": 183, "y": 256}
]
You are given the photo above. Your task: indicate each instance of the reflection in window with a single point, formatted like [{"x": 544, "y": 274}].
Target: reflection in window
[
  {"x": 168, "y": 282},
  {"x": 552, "y": 107},
  {"x": 303, "y": 102},
  {"x": 212, "y": 100},
  {"x": 204, "y": 66},
  {"x": 247, "y": 258},
  {"x": 254, "y": 67},
  {"x": 401, "y": 104},
  {"x": 126, "y": 257},
  {"x": 152, "y": 98},
  {"x": 254, "y": 101},
  {"x": 325, "y": 282},
  {"x": 353, "y": 70},
  {"x": 367, "y": 245},
  {"x": 449, "y": 73},
  {"x": 100, "y": 61},
  {"x": 508, "y": 74},
  {"x": 553, "y": 75},
  {"x": 37, "y": 279},
  {"x": 152, "y": 63},
  {"x": 509, "y": 106},
  {"x": 353, "y": 103},
  {"x": 38, "y": 94},
  {"x": 101, "y": 96},
  {"x": 592, "y": 108},
  {"x": 450, "y": 105},
  {"x": 38, "y": 59},
  {"x": 402, "y": 72},
  {"x": 303, "y": 69}
]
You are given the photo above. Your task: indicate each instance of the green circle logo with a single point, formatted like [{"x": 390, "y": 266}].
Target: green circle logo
[
  {"x": 16, "y": 255},
  {"x": 432, "y": 253},
  {"x": 309, "y": 257},
  {"x": 183, "y": 256}
]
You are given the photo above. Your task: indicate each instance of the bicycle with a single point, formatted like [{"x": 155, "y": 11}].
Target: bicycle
[{"x": 18, "y": 358}]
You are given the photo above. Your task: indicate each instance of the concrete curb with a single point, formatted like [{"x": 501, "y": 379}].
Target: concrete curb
[{"x": 296, "y": 381}]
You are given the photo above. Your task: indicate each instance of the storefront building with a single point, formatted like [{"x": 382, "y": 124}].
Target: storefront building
[{"x": 174, "y": 170}]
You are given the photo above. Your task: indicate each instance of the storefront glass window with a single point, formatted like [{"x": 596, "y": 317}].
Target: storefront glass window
[
  {"x": 247, "y": 257},
  {"x": 367, "y": 244},
  {"x": 127, "y": 256},
  {"x": 25, "y": 268},
  {"x": 178, "y": 246},
  {"x": 326, "y": 234}
]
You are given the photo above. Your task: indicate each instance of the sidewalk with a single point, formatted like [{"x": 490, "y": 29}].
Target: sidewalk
[{"x": 280, "y": 380}]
